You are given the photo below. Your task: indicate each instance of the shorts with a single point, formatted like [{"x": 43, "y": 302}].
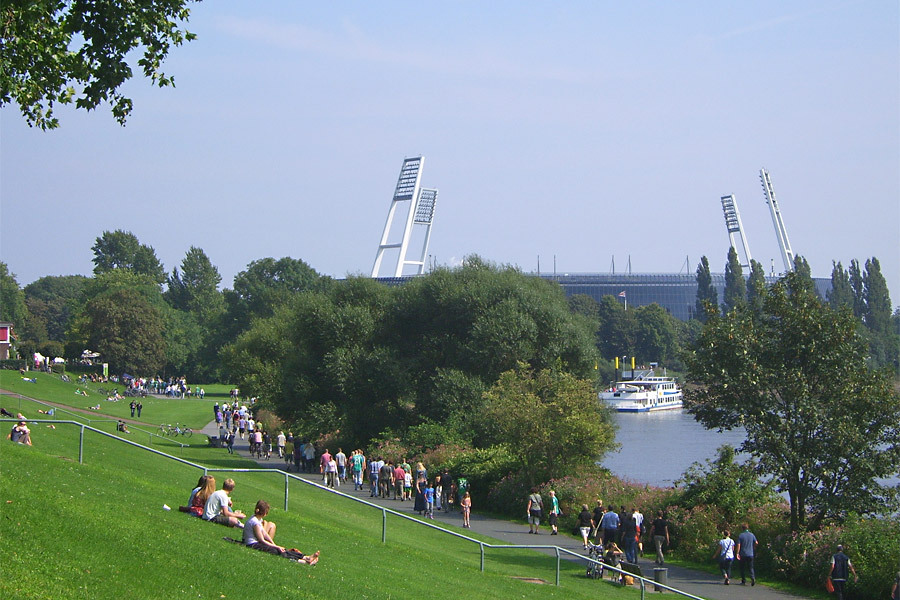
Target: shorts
[
  {"x": 221, "y": 520},
  {"x": 585, "y": 531},
  {"x": 534, "y": 518},
  {"x": 553, "y": 519}
]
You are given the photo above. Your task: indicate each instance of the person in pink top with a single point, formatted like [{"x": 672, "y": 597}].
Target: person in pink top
[
  {"x": 323, "y": 464},
  {"x": 399, "y": 478}
]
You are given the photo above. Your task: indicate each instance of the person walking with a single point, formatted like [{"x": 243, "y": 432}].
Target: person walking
[
  {"x": 585, "y": 524},
  {"x": 841, "y": 567},
  {"x": 139, "y": 407},
  {"x": 745, "y": 552},
  {"x": 610, "y": 525},
  {"x": 553, "y": 519},
  {"x": 660, "y": 531},
  {"x": 466, "y": 506},
  {"x": 535, "y": 510},
  {"x": 725, "y": 554}
]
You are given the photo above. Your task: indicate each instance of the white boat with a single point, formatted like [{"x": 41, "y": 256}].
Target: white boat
[{"x": 644, "y": 393}]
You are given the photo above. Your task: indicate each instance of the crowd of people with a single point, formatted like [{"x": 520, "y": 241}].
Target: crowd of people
[{"x": 216, "y": 506}]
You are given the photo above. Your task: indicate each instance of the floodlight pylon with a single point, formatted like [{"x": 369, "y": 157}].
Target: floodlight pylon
[
  {"x": 735, "y": 226},
  {"x": 784, "y": 244},
  {"x": 421, "y": 212}
]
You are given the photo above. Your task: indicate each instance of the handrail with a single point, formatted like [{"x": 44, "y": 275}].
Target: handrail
[{"x": 384, "y": 511}]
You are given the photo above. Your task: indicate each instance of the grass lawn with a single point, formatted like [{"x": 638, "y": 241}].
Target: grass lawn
[
  {"x": 193, "y": 412},
  {"x": 98, "y": 530}
]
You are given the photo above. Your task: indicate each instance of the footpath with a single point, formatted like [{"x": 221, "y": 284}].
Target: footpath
[{"x": 697, "y": 583}]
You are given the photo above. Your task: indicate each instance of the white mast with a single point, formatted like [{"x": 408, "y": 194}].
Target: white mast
[
  {"x": 784, "y": 244},
  {"x": 421, "y": 212},
  {"x": 735, "y": 226}
]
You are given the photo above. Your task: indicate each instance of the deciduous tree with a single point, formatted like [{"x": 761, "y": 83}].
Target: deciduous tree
[
  {"x": 63, "y": 51},
  {"x": 707, "y": 297},
  {"x": 735, "y": 288},
  {"x": 820, "y": 422},
  {"x": 121, "y": 250}
]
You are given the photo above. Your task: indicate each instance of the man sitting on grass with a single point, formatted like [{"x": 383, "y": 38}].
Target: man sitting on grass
[{"x": 218, "y": 507}]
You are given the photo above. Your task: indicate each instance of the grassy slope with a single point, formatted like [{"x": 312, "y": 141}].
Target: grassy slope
[
  {"x": 98, "y": 530},
  {"x": 190, "y": 411}
]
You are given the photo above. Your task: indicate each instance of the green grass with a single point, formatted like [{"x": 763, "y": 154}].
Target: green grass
[
  {"x": 98, "y": 530},
  {"x": 193, "y": 412}
]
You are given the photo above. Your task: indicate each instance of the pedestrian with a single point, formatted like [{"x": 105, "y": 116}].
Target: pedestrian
[
  {"x": 282, "y": 441},
  {"x": 535, "y": 510},
  {"x": 610, "y": 526},
  {"x": 341, "y": 460},
  {"x": 598, "y": 516},
  {"x": 132, "y": 406},
  {"x": 660, "y": 530},
  {"x": 466, "y": 506},
  {"x": 553, "y": 519},
  {"x": 139, "y": 408},
  {"x": 725, "y": 554},
  {"x": 629, "y": 537},
  {"x": 841, "y": 567},
  {"x": 746, "y": 553},
  {"x": 585, "y": 524}
]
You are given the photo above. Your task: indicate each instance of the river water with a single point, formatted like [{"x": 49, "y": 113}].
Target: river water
[{"x": 657, "y": 448}]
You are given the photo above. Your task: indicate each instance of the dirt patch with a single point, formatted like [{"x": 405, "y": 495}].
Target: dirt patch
[{"x": 531, "y": 580}]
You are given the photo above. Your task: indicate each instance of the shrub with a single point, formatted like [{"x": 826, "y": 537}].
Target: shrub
[{"x": 694, "y": 531}]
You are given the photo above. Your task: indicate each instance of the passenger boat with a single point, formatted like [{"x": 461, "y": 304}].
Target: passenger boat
[{"x": 644, "y": 393}]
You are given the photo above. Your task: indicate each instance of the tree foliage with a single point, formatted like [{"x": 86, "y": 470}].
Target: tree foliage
[
  {"x": 549, "y": 420},
  {"x": 64, "y": 51},
  {"x": 121, "y": 250},
  {"x": 127, "y": 331},
  {"x": 12, "y": 299},
  {"x": 707, "y": 297},
  {"x": 756, "y": 287},
  {"x": 366, "y": 359},
  {"x": 52, "y": 300},
  {"x": 735, "y": 288},
  {"x": 821, "y": 423}
]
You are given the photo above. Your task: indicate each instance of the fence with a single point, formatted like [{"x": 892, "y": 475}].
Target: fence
[{"x": 559, "y": 552}]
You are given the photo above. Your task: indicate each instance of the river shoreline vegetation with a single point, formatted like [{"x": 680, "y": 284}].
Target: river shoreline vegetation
[{"x": 493, "y": 374}]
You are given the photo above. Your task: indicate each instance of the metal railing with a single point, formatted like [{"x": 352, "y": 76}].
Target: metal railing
[{"x": 559, "y": 552}]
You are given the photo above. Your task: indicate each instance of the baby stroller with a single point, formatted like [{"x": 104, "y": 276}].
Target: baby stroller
[{"x": 595, "y": 569}]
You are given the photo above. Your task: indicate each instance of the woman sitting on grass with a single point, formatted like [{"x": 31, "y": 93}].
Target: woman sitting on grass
[
  {"x": 197, "y": 502},
  {"x": 258, "y": 534}
]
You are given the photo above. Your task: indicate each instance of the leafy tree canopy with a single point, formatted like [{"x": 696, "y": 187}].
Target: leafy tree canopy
[
  {"x": 127, "y": 331},
  {"x": 64, "y": 51},
  {"x": 12, "y": 299},
  {"x": 121, "y": 250},
  {"x": 707, "y": 297},
  {"x": 550, "y": 420},
  {"x": 820, "y": 422}
]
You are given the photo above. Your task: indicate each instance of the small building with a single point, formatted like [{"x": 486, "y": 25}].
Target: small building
[{"x": 6, "y": 338}]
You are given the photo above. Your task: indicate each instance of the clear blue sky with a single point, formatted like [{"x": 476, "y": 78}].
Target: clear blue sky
[{"x": 584, "y": 130}]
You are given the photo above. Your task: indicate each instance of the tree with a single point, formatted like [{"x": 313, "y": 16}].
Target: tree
[
  {"x": 858, "y": 284},
  {"x": 616, "y": 334},
  {"x": 821, "y": 423},
  {"x": 121, "y": 250},
  {"x": 59, "y": 51},
  {"x": 707, "y": 297},
  {"x": 195, "y": 289},
  {"x": 52, "y": 300},
  {"x": 127, "y": 331},
  {"x": 756, "y": 287},
  {"x": 656, "y": 334},
  {"x": 12, "y": 299},
  {"x": 878, "y": 299},
  {"x": 549, "y": 419},
  {"x": 735, "y": 288},
  {"x": 841, "y": 293}
]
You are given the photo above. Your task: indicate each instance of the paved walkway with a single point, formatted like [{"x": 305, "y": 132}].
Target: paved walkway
[{"x": 693, "y": 582}]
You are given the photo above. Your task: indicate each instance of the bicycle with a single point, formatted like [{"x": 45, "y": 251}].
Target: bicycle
[
  {"x": 594, "y": 570},
  {"x": 185, "y": 431}
]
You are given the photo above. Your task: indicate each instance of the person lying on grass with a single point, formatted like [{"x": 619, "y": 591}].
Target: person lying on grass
[
  {"x": 259, "y": 535},
  {"x": 218, "y": 506}
]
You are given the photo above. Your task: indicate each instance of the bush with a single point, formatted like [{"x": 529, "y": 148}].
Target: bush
[
  {"x": 871, "y": 543},
  {"x": 694, "y": 531},
  {"x": 13, "y": 364}
]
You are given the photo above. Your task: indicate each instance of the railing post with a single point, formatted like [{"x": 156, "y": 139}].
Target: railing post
[
  {"x": 557, "y": 566},
  {"x": 481, "y": 544},
  {"x": 285, "y": 492},
  {"x": 643, "y": 589},
  {"x": 383, "y": 526},
  {"x": 81, "y": 446}
]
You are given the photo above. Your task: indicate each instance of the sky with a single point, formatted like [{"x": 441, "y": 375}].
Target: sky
[{"x": 590, "y": 134}]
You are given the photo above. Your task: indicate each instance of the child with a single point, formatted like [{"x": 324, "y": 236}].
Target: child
[
  {"x": 429, "y": 501},
  {"x": 466, "y": 505},
  {"x": 407, "y": 485}
]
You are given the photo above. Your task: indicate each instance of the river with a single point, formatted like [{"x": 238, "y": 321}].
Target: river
[{"x": 657, "y": 448}]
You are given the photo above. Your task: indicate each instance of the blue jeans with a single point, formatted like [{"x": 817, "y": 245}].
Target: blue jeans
[{"x": 630, "y": 548}]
